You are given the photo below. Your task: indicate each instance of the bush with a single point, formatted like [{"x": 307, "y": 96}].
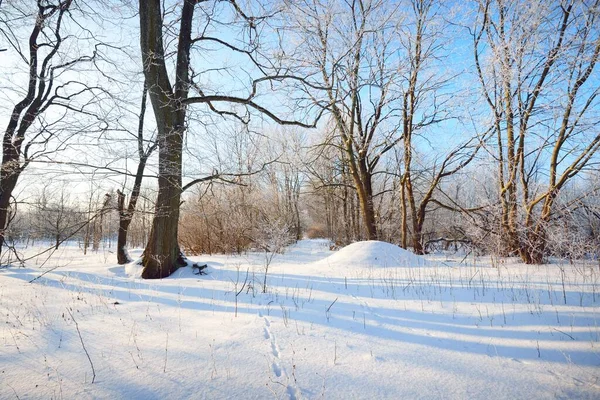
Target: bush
[{"x": 316, "y": 232}]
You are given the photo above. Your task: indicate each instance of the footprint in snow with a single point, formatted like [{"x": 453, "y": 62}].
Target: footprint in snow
[
  {"x": 274, "y": 348},
  {"x": 276, "y": 370}
]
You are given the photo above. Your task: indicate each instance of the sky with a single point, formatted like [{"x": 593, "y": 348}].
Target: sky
[{"x": 117, "y": 24}]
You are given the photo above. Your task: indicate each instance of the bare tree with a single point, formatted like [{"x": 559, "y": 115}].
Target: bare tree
[
  {"x": 332, "y": 200},
  {"x": 170, "y": 98},
  {"x": 536, "y": 63},
  {"x": 40, "y": 114},
  {"x": 272, "y": 236},
  {"x": 283, "y": 156},
  {"x": 351, "y": 49},
  {"x": 424, "y": 106},
  {"x": 145, "y": 149},
  {"x": 55, "y": 215}
]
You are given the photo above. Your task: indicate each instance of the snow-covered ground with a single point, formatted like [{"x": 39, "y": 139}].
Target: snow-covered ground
[{"x": 370, "y": 321}]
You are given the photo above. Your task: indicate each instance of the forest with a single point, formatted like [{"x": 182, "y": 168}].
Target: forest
[{"x": 192, "y": 127}]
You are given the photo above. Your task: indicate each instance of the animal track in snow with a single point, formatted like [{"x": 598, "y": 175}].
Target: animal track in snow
[{"x": 278, "y": 370}]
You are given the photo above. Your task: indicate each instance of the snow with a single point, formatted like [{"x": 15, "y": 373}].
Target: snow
[
  {"x": 374, "y": 253},
  {"x": 368, "y": 321}
]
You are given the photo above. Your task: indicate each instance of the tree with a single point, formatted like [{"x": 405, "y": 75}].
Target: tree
[
  {"x": 536, "y": 63},
  {"x": 144, "y": 151},
  {"x": 272, "y": 236},
  {"x": 170, "y": 101},
  {"x": 350, "y": 49},
  {"x": 49, "y": 92},
  {"x": 332, "y": 200},
  {"x": 424, "y": 105},
  {"x": 284, "y": 177},
  {"x": 56, "y": 217}
]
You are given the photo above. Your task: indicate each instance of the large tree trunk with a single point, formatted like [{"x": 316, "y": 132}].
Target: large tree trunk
[
  {"x": 162, "y": 255},
  {"x": 162, "y": 251},
  {"x": 365, "y": 197},
  {"x": 366, "y": 204},
  {"x": 533, "y": 248},
  {"x": 362, "y": 177}
]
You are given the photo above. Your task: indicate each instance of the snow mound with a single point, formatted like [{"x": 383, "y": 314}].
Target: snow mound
[{"x": 375, "y": 253}]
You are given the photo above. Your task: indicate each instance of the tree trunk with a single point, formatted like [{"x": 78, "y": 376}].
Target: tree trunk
[
  {"x": 532, "y": 252},
  {"x": 298, "y": 224},
  {"x": 417, "y": 237},
  {"x": 364, "y": 190},
  {"x": 533, "y": 248},
  {"x": 122, "y": 256},
  {"x": 414, "y": 217},
  {"x": 8, "y": 181},
  {"x": 365, "y": 197},
  {"x": 126, "y": 215},
  {"x": 124, "y": 221},
  {"x": 417, "y": 244},
  {"x": 404, "y": 215},
  {"x": 356, "y": 220},
  {"x": 97, "y": 235},
  {"x": 162, "y": 255},
  {"x": 162, "y": 251}
]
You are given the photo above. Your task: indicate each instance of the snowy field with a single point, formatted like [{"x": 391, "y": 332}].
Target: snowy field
[{"x": 367, "y": 322}]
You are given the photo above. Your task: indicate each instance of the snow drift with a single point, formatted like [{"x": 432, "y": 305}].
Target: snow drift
[{"x": 375, "y": 253}]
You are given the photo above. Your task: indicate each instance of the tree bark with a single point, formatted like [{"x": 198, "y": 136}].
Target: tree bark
[
  {"x": 162, "y": 255},
  {"x": 404, "y": 215},
  {"x": 126, "y": 215},
  {"x": 8, "y": 182},
  {"x": 362, "y": 182},
  {"x": 365, "y": 197},
  {"x": 162, "y": 251}
]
